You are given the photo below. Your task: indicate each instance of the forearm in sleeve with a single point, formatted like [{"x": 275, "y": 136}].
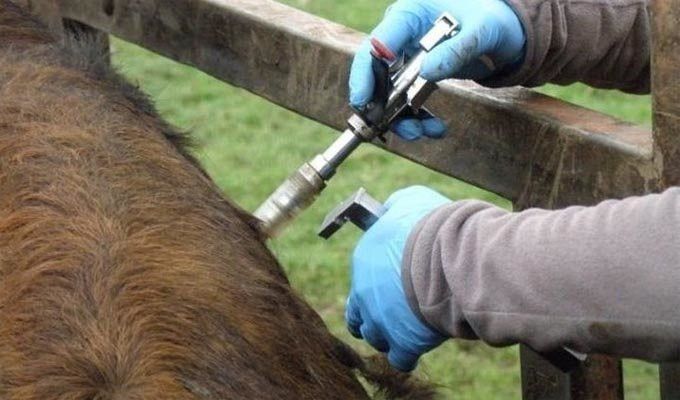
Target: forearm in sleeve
[
  {"x": 602, "y": 279},
  {"x": 603, "y": 43}
]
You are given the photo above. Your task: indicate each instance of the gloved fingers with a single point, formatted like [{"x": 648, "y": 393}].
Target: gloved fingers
[
  {"x": 374, "y": 337},
  {"x": 402, "y": 360},
  {"x": 413, "y": 128},
  {"x": 408, "y": 128},
  {"x": 434, "y": 128},
  {"x": 353, "y": 318},
  {"x": 450, "y": 57}
]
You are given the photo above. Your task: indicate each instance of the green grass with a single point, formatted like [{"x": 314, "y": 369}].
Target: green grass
[{"x": 249, "y": 146}]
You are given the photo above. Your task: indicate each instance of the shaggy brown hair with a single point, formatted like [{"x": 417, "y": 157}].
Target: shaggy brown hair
[{"x": 124, "y": 273}]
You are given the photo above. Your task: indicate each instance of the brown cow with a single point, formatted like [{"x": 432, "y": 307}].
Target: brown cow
[{"x": 124, "y": 273}]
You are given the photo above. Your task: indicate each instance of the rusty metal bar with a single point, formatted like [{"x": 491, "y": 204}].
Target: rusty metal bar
[
  {"x": 517, "y": 143},
  {"x": 666, "y": 114}
]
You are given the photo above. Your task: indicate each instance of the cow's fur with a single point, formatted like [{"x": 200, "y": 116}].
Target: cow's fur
[{"x": 124, "y": 274}]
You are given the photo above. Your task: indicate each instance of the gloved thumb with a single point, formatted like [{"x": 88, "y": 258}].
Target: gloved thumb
[
  {"x": 399, "y": 32},
  {"x": 401, "y": 360},
  {"x": 361, "y": 79},
  {"x": 450, "y": 58}
]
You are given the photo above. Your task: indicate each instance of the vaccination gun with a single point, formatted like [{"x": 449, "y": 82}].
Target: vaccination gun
[{"x": 399, "y": 91}]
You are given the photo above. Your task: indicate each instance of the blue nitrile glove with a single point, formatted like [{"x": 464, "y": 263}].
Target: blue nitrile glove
[
  {"x": 377, "y": 309},
  {"x": 491, "y": 38}
]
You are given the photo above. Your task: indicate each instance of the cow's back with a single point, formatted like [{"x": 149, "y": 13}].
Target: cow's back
[{"x": 124, "y": 274}]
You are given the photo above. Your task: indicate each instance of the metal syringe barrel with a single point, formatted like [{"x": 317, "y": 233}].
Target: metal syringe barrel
[
  {"x": 293, "y": 196},
  {"x": 301, "y": 189}
]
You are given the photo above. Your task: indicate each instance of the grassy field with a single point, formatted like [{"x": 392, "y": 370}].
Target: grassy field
[{"x": 249, "y": 146}]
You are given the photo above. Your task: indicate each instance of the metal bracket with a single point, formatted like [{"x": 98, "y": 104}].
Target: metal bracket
[{"x": 360, "y": 209}]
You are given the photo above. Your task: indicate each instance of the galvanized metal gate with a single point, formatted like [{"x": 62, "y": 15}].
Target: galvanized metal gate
[{"x": 532, "y": 149}]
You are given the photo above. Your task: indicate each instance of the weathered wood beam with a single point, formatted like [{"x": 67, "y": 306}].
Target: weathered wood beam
[
  {"x": 47, "y": 11},
  {"x": 666, "y": 114},
  {"x": 599, "y": 378},
  {"x": 50, "y": 14},
  {"x": 520, "y": 144},
  {"x": 666, "y": 88}
]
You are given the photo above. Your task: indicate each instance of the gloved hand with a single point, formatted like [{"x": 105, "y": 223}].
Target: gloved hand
[
  {"x": 377, "y": 309},
  {"x": 491, "y": 38}
]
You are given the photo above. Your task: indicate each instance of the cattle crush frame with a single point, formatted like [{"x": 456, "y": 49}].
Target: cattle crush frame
[{"x": 532, "y": 149}]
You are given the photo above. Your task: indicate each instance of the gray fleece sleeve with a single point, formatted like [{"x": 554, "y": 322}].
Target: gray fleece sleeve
[
  {"x": 603, "y": 43},
  {"x": 602, "y": 279}
]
